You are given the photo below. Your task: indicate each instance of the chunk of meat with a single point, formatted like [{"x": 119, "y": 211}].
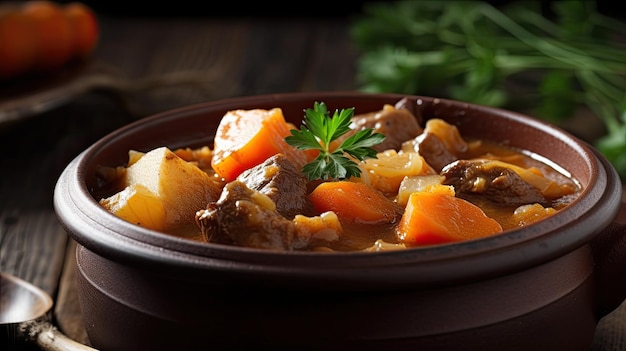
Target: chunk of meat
[
  {"x": 412, "y": 106},
  {"x": 397, "y": 124},
  {"x": 439, "y": 144},
  {"x": 282, "y": 182},
  {"x": 433, "y": 150},
  {"x": 493, "y": 180},
  {"x": 246, "y": 217}
]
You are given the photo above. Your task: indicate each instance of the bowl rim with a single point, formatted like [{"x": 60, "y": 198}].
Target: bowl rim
[{"x": 100, "y": 231}]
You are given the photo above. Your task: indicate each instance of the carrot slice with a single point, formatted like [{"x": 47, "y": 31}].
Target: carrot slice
[
  {"x": 355, "y": 202},
  {"x": 246, "y": 138},
  {"x": 436, "y": 217}
]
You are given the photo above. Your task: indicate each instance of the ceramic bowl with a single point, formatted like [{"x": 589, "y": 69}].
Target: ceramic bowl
[{"x": 540, "y": 287}]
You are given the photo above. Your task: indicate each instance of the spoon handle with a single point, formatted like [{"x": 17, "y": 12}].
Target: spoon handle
[{"x": 49, "y": 338}]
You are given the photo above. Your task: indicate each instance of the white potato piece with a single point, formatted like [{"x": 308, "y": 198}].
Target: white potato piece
[
  {"x": 134, "y": 156},
  {"x": 181, "y": 186},
  {"x": 138, "y": 205}
]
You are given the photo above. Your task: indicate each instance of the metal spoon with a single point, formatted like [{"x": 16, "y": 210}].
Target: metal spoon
[{"x": 25, "y": 315}]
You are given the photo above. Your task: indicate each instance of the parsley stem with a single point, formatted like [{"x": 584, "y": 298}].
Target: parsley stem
[{"x": 551, "y": 48}]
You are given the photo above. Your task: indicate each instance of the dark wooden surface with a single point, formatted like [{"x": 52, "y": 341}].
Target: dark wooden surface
[{"x": 143, "y": 66}]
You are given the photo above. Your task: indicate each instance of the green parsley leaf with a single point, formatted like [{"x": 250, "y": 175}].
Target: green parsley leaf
[{"x": 319, "y": 129}]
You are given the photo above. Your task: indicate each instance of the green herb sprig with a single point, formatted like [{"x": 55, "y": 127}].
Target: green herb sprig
[
  {"x": 514, "y": 56},
  {"x": 319, "y": 129}
]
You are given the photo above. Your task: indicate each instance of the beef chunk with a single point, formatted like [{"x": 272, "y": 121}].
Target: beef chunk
[
  {"x": 397, "y": 124},
  {"x": 434, "y": 151},
  {"x": 492, "y": 181},
  {"x": 411, "y": 106},
  {"x": 282, "y": 182},
  {"x": 246, "y": 217},
  {"x": 439, "y": 144}
]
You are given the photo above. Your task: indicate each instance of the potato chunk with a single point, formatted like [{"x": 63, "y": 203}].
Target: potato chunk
[
  {"x": 181, "y": 187},
  {"x": 138, "y": 205}
]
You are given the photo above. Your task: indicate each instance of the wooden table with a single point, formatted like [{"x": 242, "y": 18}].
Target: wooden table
[{"x": 159, "y": 64}]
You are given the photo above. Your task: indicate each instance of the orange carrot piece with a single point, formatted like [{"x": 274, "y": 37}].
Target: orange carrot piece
[
  {"x": 435, "y": 218},
  {"x": 354, "y": 202},
  {"x": 246, "y": 138}
]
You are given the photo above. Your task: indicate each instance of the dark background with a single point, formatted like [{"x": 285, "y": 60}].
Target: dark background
[{"x": 337, "y": 8}]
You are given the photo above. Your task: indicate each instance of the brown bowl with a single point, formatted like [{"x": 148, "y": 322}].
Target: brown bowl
[{"x": 543, "y": 286}]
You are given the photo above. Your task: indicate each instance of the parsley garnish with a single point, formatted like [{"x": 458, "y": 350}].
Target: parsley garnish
[{"x": 317, "y": 132}]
